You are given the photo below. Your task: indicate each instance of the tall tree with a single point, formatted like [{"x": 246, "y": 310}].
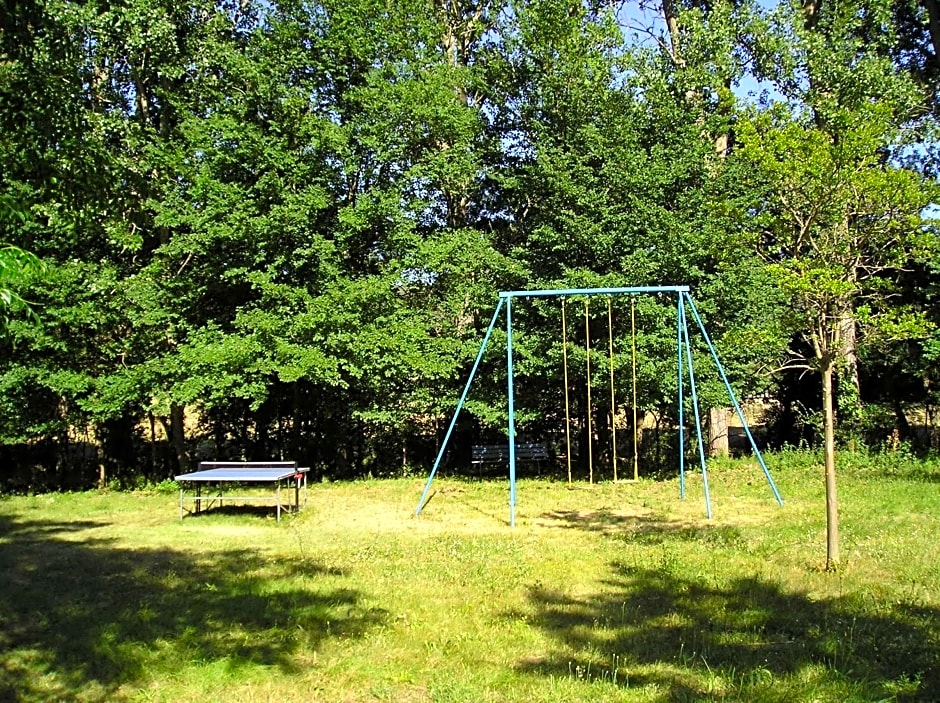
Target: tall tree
[{"x": 838, "y": 218}]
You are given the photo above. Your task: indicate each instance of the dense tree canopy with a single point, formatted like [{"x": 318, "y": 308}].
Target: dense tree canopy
[{"x": 278, "y": 228}]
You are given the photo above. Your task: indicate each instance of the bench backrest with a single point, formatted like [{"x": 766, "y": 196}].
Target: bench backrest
[
  {"x": 533, "y": 450},
  {"x": 492, "y": 452},
  {"x": 489, "y": 451},
  {"x": 203, "y": 465}
]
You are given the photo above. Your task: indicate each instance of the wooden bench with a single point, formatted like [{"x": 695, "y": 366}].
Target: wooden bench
[{"x": 499, "y": 453}]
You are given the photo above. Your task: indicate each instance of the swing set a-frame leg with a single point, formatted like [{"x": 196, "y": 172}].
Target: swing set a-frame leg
[{"x": 463, "y": 397}]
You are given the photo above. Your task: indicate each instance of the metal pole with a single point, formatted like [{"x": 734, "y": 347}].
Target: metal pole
[
  {"x": 698, "y": 421},
  {"x": 591, "y": 291},
  {"x": 636, "y": 427},
  {"x": 613, "y": 395},
  {"x": 564, "y": 354},
  {"x": 463, "y": 397},
  {"x": 680, "y": 315},
  {"x": 512, "y": 418},
  {"x": 734, "y": 401},
  {"x": 590, "y": 427}
]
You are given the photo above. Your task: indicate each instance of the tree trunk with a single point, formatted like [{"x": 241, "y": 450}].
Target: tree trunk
[
  {"x": 933, "y": 24},
  {"x": 722, "y": 142},
  {"x": 811, "y": 13},
  {"x": 153, "y": 443},
  {"x": 832, "y": 501},
  {"x": 850, "y": 397},
  {"x": 718, "y": 432},
  {"x": 850, "y": 347},
  {"x": 903, "y": 424},
  {"x": 176, "y": 433},
  {"x": 102, "y": 472},
  {"x": 672, "y": 24},
  {"x": 177, "y": 420}
]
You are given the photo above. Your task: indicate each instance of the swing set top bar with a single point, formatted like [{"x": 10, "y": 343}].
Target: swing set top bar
[{"x": 592, "y": 291}]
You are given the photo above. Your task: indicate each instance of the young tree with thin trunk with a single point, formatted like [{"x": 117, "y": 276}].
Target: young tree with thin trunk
[{"x": 836, "y": 224}]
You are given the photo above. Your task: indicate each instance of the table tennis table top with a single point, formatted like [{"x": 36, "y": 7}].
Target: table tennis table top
[{"x": 245, "y": 471}]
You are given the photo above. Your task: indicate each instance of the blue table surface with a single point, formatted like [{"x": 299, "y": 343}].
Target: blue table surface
[{"x": 247, "y": 473}]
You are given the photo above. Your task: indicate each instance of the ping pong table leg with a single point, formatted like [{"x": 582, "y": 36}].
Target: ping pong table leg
[
  {"x": 296, "y": 493},
  {"x": 278, "y": 501}
]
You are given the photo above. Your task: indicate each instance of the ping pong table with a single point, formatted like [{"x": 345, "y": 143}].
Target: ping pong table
[{"x": 215, "y": 474}]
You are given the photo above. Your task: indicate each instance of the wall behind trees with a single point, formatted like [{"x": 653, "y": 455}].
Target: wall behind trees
[{"x": 278, "y": 229}]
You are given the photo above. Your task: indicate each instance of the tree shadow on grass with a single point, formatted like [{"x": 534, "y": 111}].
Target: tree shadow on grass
[
  {"x": 925, "y": 474},
  {"x": 642, "y": 528},
  {"x": 261, "y": 512},
  {"x": 601, "y": 520},
  {"x": 89, "y": 616},
  {"x": 756, "y": 640}
]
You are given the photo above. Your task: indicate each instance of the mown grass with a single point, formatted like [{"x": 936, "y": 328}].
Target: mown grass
[{"x": 611, "y": 592}]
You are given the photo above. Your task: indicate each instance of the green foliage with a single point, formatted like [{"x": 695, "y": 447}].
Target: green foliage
[
  {"x": 288, "y": 222},
  {"x": 16, "y": 267},
  {"x": 836, "y": 220}
]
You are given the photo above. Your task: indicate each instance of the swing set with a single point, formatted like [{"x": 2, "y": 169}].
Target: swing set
[{"x": 683, "y": 348}]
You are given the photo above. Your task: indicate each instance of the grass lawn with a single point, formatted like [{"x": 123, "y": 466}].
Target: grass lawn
[{"x": 603, "y": 593}]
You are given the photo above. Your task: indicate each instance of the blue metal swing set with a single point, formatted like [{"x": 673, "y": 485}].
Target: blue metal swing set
[{"x": 684, "y": 301}]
